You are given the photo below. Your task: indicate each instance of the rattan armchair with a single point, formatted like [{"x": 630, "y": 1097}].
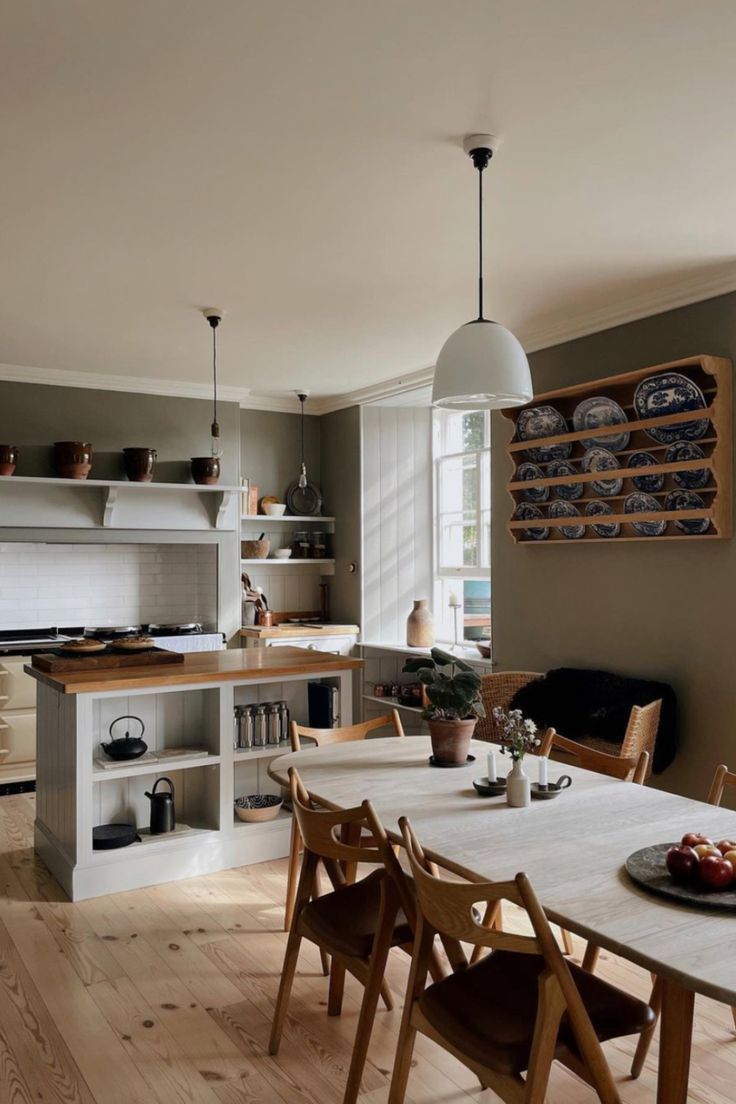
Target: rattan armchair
[{"x": 499, "y": 689}]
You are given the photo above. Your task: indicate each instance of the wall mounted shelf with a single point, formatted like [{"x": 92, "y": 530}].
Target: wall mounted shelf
[
  {"x": 669, "y": 505},
  {"x": 288, "y": 519}
]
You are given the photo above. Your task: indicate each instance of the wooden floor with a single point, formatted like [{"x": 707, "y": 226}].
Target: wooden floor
[{"x": 165, "y": 995}]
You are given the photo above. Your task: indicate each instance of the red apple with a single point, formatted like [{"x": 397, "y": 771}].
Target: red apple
[
  {"x": 690, "y": 839},
  {"x": 714, "y": 872},
  {"x": 682, "y": 863},
  {"x": 704, "y": 849},
  {"x": 725, "y": 845},
  {"x": 731, "y": 856}
]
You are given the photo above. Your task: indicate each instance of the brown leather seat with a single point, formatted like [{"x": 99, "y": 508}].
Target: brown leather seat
[
  {"x": 489, "y": 1010},
  {"x": 346, "y": 920}
]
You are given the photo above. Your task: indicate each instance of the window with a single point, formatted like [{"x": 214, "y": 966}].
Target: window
[{"x": 462, "y": 514}]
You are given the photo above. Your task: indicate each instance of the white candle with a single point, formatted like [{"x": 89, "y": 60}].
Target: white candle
[
  {"x": 543, "y": 761},
  {"x": 491, "y": 766},
  {"x": 454, "y": 601}
]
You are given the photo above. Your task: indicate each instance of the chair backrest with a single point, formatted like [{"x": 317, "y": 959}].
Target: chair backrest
[
  {"x": 629, "y": 769},
  {"x": 723, "y": 777},
  {"x": 499, "y": 689},
  {"x": 641, "y": 731},
  {"x": 324, "y": 736}
]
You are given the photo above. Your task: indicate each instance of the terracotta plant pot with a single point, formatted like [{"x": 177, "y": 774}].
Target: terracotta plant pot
[
  {"x": 8, "y": 459},
  {"x": 72, "y": 459},
  {"x": 451, "y": 739},
  {"x": 205, "y": 470},
  {"x": 138, "y": 464}
]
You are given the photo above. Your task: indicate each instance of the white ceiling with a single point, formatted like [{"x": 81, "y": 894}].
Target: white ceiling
[{"x": 298, "y": 163}]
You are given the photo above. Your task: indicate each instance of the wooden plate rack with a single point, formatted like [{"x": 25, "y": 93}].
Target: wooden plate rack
[{"x": 713, "y": 376}]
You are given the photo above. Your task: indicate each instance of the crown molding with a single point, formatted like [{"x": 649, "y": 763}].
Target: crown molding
[{"x": 533, "y": 338}]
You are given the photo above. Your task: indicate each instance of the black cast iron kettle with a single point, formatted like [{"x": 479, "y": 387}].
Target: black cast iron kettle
[
  {"x": 126, "y": 747},
  {"x": 163, "y": 817}
]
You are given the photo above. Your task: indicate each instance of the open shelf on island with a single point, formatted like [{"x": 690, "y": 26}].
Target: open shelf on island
[
  {"x": 183, "y": 833},
  {"x": 281, "y": 820},
  {"x": 132, "y": 767}
]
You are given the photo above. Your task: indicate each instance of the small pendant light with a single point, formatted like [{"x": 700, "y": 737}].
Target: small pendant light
[
  {"x": 481, "y": 365},
  {"x": 302, "y": 396},
  {"x": 214, "y": 316}
]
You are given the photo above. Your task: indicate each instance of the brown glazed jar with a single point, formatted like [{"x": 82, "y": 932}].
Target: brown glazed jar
[
  {"x": 72, "y": 459},
  {"x": 205, "y": 470},
  {"x": 138, "y": 464}
]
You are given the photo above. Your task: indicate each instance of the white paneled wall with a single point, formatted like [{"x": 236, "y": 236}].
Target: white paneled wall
[
  {"x": 397, "y": 517},
  {"x": 119, "y": 584}
]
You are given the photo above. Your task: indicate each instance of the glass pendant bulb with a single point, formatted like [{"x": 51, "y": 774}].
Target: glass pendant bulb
[{"x": 303, "y": 476}]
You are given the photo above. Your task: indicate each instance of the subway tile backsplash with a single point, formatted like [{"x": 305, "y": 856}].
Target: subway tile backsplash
[{"x": 116, "y": 584}]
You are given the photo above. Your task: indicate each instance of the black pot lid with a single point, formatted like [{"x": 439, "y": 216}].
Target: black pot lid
[{"x": 304, "y": 500}]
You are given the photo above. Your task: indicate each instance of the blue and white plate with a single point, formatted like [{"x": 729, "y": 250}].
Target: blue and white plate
[
  {"x": 600, "y": 411},
  {"x": 598, "y": 460},
  {"x": 671, "y": 393},
  {"x": 525, "y": 511},
  {"x": 531, "y": 471},
  {"x": 565, "y": 490},
  {"x": 596, "y": 509},
  {"x": 639, "y": 503},
  {"x": 543, "y": 421},
  {"x": 560, "y": 509},
  {"x": 648, "y": 483},
  {"x": 693, "y": 479},
  {"x": 688, "y": 500}
]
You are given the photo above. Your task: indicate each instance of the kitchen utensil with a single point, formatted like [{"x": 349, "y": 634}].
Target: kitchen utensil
[
  {"x": 163, "y": 817},
  {"x": 255, "y": 549},
  {"x": 274, "y": 509},
  {"x": 306, "y": 501},
  {"x": 281, "y": 553},
  {"x": 260, "y": 727},
  {"x": 264, "y": 617},
  {"x": 107, "y": 837},
  {"x": 126, "y": 747},
  {"x": 138, "y": 464},
  {"x": 134, "y": 644},
  {"x": 72, "y": 459},
  {"x": 258, "y": 807},
  {"x": 267, "y": 500},
  {"x": 9, "y": 458},
  {"x": 205, "y": 470},
  {"x": 244, "y": 726},
  {"x": 273, "y": 720}
]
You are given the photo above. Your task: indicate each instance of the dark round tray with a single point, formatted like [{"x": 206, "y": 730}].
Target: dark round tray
[
  {"x": 438, "y": 762},
  {"x": 647, "y": 868}
]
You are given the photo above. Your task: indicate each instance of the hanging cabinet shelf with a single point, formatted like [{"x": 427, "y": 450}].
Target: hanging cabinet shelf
[{"x": 710, "y": 505}]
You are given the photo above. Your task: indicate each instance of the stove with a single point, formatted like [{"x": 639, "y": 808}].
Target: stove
[{"x": 182, "y": 637}]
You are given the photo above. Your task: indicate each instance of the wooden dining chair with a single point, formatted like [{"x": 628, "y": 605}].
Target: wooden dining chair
[
  {"x": 322, "y": 737},
  {"x": 356, "y": 923},
  {"x": 722, "y": 778},
  {"x": 517, "y": 1010}
]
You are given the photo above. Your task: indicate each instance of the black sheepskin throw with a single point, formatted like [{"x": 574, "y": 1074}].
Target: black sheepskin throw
[{"x": 579, "y": 703}]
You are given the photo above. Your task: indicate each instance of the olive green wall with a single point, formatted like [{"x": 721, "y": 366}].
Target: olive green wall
[
  {"x": 664, "y": 611},
  {"x": 270, "y": 449},
  {"x": 341, "y": 486}
]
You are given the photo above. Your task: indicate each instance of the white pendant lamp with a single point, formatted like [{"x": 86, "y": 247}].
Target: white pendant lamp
[{"x": 481, "y": 365}]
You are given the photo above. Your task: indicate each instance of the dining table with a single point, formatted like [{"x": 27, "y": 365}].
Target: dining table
[{"x": 572, "y": 847}]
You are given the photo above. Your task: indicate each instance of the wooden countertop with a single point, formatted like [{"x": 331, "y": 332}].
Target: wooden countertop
[
  {"x": 260, "y": 632},
  {"x": 233, "y": 665}
]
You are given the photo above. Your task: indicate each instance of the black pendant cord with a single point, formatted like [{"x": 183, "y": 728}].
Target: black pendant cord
[
  {"x": 480, "y": 243},
  {"x": 215, "y": 428}
]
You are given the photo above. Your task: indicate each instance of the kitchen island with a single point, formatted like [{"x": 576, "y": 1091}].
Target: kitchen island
[{"x": 187, "y": 713}]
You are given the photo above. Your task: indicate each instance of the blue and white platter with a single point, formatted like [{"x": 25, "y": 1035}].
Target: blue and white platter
[
  {"x": 525, "y": 511},
  {"x": 671, "y": 393},
  {"x": 688, "y": 500},
  {"x": 569, "y": 491},
  {"x": 600, "y": 411},
  {"x": 650, "y": 483},
  {"x": 560, "y": 509},
  {"x": 543, "y": 421},
  {"x": 693, "y": 479},
  {"x": 640, "y": 503},
  {"x": 599, "y": 460},
  {"x": 531, "y": 471},
  {"x": 600, "y": 509}
]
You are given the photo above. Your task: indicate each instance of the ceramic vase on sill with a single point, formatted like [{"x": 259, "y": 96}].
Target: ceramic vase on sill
[
  {"x": 518, "y": 787},
  {"x": 420, "y": 626}
]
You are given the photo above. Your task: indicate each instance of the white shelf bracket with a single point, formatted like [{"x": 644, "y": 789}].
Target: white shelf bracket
[
  {"x": 223, "y": 501},
  {"x": 108, "y": 507}
]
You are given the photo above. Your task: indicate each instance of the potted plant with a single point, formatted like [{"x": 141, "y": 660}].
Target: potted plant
[{"x": 452, "y": 691}]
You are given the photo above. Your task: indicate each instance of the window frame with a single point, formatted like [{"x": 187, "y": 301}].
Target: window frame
[{"x": 445, "y": 571}]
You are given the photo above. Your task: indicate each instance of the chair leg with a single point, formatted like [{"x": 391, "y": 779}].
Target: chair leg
[
  {"x": 325, "y": 961},
  {"x": 493, "y": 919},
  {"x": 386, "y": 996},
  {"x": 567, "y": 944},
  {"x": 371, "y": 993},
  {"x": 733, "y": 1013},
  {"x": 287, "y": 980},
  {"x": 590, "y": 958},
  {"x": 292, "y": 874},
  {"x": 645, "y": 1039},
  {"x": 337, "y": 988},
  {"x": 402, "y": 1062}
]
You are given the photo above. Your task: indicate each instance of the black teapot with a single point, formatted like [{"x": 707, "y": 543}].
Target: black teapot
[
  {"x": 126, "y": 747},
  {"x": 163, "y": 818}
]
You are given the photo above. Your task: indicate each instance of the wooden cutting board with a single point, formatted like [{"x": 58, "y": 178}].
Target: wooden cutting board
[{"x": 60, "y": 663}]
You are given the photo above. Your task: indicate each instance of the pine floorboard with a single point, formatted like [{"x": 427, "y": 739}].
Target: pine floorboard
[{"x": 165, "y": 996}]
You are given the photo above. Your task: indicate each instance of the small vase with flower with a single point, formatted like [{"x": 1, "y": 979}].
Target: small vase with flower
[{"x": 517, "y": 736}]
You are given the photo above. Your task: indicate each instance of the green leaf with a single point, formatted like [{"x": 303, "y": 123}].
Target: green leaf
[
  {"x": 413, "y": 665},
  {"x": 442, "y": 658}
]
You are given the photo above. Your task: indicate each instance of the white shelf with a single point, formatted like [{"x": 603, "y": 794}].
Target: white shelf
[
  {"x": 290, "y": 562},
  {"x": 392, "y": 703},
  {"x": 147, "y": 843},
  {"x": 60, "y": 481},
  {"x": 281, "y": 820},
  {"x": 271, "y": 751},
  {"x": 468, "y": 655},
  {"x": 130, "y": 770},
  {"x": 293, "y": 519}
]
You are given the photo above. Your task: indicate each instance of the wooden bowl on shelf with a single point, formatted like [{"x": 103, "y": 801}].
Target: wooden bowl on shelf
[{"x": 258, "y": 807}]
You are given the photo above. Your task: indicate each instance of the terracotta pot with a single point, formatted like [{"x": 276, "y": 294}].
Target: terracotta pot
[
  {"x": 138, "y": 464},
  {"x": 420, "y": 626},
  {"x": 451, "y": 739},
  {"x": 205, "y": 470},
  {"x": 72, "y": 459},
  {"x": 8, "y": 459}
]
